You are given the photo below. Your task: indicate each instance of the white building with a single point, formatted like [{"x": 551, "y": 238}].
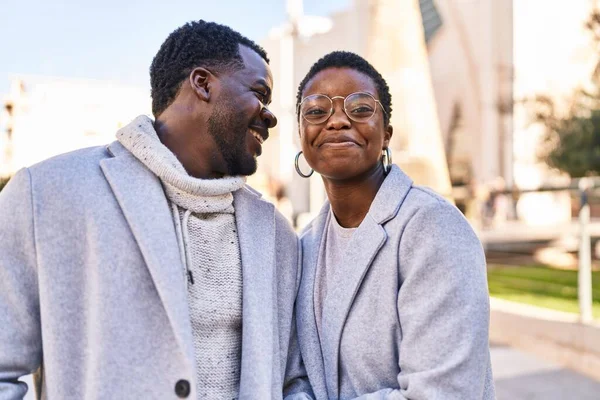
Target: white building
[
  {"x": 46, "y": 116},
  {"x": 485, "y": 56}
]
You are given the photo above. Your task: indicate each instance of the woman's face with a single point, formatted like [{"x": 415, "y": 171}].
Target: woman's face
[{"x": 341, "y": 148}]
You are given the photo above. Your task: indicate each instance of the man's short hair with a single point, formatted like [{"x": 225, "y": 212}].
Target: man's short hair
[
  {"x": 346, "y": 59},
  {"x": 195, "y": 44}
]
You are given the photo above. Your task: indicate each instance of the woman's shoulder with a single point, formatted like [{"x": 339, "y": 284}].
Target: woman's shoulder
[
  {"x": 422, "y": 198},
  {"x": 425, "y": 211},
  {"x": 425, "y": 197}
]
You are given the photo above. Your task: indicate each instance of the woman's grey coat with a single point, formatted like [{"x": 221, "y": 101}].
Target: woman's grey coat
[
  {"x": 92, "y": 289},
  {"x": 409, "y": 319}
]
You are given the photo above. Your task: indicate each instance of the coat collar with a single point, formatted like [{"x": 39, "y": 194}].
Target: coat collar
[
  {"x": 363, "y": 247},
  {"x": 390, "y": 196},
  {"x": 145, "y": 207}
]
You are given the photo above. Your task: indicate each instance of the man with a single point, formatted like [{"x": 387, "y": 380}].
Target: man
[{"x": 147, "y": 268}]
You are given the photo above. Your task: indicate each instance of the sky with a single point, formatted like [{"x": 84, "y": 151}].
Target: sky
[{"x": 116, "y": 40}]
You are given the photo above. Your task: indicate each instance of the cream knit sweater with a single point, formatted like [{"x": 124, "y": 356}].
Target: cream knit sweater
[{"x": 205, "y": 224}]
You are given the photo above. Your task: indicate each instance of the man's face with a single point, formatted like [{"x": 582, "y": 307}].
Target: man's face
[{"x": 240, "y": 121}]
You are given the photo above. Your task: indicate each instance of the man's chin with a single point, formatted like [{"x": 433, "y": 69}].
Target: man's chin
[{"x": 245, "y": 168}]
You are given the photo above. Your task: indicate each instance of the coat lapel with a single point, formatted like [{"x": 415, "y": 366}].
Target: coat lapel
[
  {"x": 145, "y": 207},
  {"x": 310, "y": 346},
  {"x": 363, "y": 247},
  {"x": 255, "y": 220}
]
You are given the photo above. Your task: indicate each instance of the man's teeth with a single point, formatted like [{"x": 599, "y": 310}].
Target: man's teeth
[{"x": 257, "y": 136}]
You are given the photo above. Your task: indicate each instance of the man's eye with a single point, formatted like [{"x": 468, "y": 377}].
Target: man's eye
[{"x": 263, "y": 97}]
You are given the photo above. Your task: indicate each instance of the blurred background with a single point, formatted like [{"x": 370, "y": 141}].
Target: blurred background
[{"x": 496, "y": 106}]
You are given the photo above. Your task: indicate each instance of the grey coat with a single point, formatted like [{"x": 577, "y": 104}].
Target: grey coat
[
  {"x": 92, "y": 290},
  {"x": 409, "y": 319}
]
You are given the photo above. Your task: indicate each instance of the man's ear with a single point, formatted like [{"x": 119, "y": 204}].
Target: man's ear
[
  {"x": 201, "y": 83},
  {"x": 389, "y": 131}
]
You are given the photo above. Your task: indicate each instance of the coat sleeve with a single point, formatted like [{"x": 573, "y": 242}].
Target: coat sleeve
[
  {"x": 296, "y": 385},
  {"x": 20, "y": 337},
  {"x": 443, "y": 309}
]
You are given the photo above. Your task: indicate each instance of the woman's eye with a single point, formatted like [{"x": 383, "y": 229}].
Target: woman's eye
[
  {"x": 315, "y": 111},
  {"x": 362, "y": 109}
]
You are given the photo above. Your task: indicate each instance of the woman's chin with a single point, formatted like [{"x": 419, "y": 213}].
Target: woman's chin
[
  {"x": 338, "y": 172},
  {"x": 346, "y": 171}
]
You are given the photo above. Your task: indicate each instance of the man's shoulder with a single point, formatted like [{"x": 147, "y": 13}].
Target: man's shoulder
[
  {"x": 78, "y": 171},
  {"x": 74, "y": 162}
]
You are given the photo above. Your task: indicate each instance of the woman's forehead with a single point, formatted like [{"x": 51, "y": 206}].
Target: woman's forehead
[{"x": 339, "y": 82}]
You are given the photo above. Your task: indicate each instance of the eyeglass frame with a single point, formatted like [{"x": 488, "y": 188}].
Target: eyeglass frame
[{"x": 332, "y": 111}]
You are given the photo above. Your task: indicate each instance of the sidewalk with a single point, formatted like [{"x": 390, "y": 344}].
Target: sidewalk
[
  {"x": 522, "y": 376},
  {"x": 551, "y": 335}
]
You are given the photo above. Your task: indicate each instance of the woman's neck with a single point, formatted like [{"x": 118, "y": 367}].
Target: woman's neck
[{"x": 351, "y": 199}]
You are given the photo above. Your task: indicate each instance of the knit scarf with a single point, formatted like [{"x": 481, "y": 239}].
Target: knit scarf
[{"x": 189, "y": 193}]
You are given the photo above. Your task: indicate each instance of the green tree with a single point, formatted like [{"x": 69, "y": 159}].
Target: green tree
[{"x": 572, "y": 138}]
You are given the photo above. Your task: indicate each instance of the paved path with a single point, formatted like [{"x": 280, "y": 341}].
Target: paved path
[{"x": 520, "y": 376}]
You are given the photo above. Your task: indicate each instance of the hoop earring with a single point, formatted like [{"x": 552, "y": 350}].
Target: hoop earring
[
  {"x": 298, "y": 167},
  {"x": 386, "y": 160}
]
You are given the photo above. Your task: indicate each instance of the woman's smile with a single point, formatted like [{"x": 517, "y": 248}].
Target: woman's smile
[{"x": 338, "y": 141}]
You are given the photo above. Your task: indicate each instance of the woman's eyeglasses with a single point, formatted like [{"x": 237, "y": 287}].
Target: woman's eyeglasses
[{"x": 359, "y": 107}]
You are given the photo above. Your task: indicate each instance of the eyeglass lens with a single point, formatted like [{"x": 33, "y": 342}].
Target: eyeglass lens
[{"x": 317, "y": 108}]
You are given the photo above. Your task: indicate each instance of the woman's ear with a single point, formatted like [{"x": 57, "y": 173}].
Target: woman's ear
[{"x": 389, "y": 131}]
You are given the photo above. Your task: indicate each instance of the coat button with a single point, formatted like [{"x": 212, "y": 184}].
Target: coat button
[{"x": 182, "y": 388}]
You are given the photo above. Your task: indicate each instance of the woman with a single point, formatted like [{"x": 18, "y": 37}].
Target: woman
[{"x": 393, "y": 301}]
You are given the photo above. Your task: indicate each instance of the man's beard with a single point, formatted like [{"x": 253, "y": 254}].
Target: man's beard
[{"x": 229, "y": 130}]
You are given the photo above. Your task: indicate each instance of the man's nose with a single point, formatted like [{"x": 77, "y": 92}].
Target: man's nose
[{"x": 268, "y": 117}]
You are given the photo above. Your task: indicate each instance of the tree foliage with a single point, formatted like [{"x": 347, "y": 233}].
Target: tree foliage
[{"x": 572, "y": 137}]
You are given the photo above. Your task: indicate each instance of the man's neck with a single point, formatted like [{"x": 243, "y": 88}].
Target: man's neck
[{"x": 195, "y": 154}]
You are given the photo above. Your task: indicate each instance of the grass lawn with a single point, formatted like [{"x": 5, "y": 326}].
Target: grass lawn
[{"x": 541, "y": 286}]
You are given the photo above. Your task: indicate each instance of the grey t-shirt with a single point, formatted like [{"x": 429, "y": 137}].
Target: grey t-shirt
[{"x": 329, "y": 265}]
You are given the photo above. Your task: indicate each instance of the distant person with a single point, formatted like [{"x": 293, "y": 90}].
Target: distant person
[
  {"x": 393, "y": 300},
  {"x": 147, "y": 269},
  {"x": 280, "y": 199}
]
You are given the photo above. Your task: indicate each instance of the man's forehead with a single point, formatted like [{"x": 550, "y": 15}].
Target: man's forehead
[{"x": 256, "y": 68}]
